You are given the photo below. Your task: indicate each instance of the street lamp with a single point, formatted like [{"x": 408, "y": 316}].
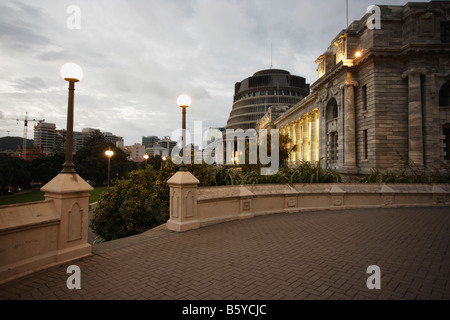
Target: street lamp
[
  {"x": 184, "y": 101},
  {"x": 162, "y": 162},
  {"x": 73, "y": 73},
  {"x": 109, "y": 153},
  {"x": 145, "y": 158}
]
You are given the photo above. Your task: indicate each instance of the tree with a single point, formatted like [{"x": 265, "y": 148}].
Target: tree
[
  {"x": 14, "y": 172},
  {"x": 155, "y": 161},
  {"x": 91, "y": 162},
  {"x": 45, "y": 168}
]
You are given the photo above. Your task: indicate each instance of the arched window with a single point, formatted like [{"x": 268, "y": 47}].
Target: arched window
[
  {"x": 444, "y": 95},
  {"x": 332, "y": 109}
]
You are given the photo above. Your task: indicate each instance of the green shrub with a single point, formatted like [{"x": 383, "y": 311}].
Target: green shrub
[
  {"x": 133, "y": 206},
  {"x": 392, "y": 176}
]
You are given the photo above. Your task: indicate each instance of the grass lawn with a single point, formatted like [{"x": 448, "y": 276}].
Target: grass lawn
[{"x": 36, "y": 195}]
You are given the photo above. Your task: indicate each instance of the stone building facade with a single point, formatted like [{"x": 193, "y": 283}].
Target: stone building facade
[{"x": 382, "y": 95}]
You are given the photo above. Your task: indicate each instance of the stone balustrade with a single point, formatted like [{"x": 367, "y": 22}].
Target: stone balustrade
[{"x": 213, "y": 205}]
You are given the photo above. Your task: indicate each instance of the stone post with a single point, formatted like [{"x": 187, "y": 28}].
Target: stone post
[
  {"x": 350, "y": 126},
  {"x": 183, "y": 202},
  {"x": 70, "y": 195}
]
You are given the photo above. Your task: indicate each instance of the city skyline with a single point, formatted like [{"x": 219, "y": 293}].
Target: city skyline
[{"x": 138, "y": 57}]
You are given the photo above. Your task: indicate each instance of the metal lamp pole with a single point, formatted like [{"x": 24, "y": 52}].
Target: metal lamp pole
[
  {"x": 184, "y": 101},
  {"x": 72, "y": 73},
  {"x": 109, "y": 153}
]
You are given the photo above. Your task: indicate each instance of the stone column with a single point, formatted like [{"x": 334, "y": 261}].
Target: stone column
[
  {"x": 299, "y": 140},
  {"x": 70, "y": 195},
  {"x": 415, "y": 124},
  {"x": 314, "y": 137},
  {"x": 288, "y": 145},
  {"x": 305, "y": 137},
  {"x": 183, "y": 202},
  {"x": 350, "y": 125},
  {"x": 294, "y": 142}
]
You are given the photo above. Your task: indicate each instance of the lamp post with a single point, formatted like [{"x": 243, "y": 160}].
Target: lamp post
[
  {"x": 109, "y": 153},
  {"x": 145, "y": 158},
  {"x": 73, "y": 73},
  {"x": 184, "y": 101}
]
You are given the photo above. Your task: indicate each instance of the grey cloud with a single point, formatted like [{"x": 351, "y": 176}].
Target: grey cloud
[
  {"x": 30, "y": 83},
  {"x": 137, "y": 56}
]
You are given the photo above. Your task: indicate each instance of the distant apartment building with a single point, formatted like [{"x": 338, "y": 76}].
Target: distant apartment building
[
  {"x": 45, "y": 137},
  {"x": 51, "y": 140},
  {"x": 149, "y": 141},
  {"x": 137, "y": 152},
  {"x": 157, "y": 151},
  {"x": 167, "y": 143}
]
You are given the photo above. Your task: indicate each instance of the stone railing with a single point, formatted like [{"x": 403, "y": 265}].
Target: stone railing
[
  {"x": 41, "y": 234},
  {"x": 192, "y": 207}
]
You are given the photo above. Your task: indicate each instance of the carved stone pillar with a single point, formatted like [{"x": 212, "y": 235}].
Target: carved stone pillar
[
  {"x": 299, "y": 140},
  {"x": 183, "y": 202},
  {"x": 289, "y": 144},
  {"x": 314, "y": 137},
  {"x": 305, "y": 137},
  {"x": 350, "y": 125},
  {"x": 70, "y": 195},
  {"x": 293, "y": 143},
  {"x": 415, "y": 122}
]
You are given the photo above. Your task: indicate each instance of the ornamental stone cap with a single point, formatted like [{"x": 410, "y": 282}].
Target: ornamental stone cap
[
  {"x": 183, "y": 177},
  {"x": 67, "y": 183}
]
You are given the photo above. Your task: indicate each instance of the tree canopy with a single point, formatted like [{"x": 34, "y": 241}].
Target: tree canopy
[
  {"x": 14, "y": 172},
  {"x": 91, "y": 163}
]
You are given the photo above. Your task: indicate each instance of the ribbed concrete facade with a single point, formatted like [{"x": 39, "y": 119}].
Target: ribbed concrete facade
[{"x": 267, "y": 88}]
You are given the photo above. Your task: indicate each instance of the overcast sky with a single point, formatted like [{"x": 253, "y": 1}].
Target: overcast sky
[{"x": 139, "y": 55}]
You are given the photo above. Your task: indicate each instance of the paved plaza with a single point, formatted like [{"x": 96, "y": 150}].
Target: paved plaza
[{"x": 309, "y": 255}]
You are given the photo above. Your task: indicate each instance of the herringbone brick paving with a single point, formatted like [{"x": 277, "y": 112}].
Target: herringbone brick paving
[{"x": 308, "y": 255}]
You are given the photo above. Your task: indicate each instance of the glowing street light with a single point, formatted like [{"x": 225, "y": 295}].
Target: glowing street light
[
  {"x": 358, "y": 54},
  {"x": 73, "y": 73},
  {"x": 109, "y": 153},
  {"x": 184, "y": 101},
  {"x": 146, "y": 158}
]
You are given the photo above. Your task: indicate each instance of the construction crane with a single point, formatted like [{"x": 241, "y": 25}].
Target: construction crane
[{"x": 25, "y": 133}]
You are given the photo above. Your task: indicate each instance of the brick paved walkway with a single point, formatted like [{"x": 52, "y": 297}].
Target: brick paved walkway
[{"x": 309, "y": 255}]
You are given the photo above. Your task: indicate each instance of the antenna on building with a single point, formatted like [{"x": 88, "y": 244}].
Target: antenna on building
[
  {"x": 346, "y": 7},
  {"x": 271, "y": 56}
]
